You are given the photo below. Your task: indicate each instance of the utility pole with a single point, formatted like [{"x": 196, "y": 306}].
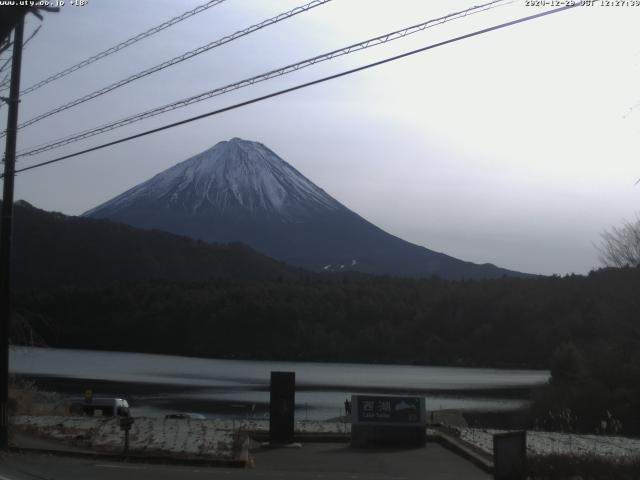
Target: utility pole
[{"x": 6, "y": 230}]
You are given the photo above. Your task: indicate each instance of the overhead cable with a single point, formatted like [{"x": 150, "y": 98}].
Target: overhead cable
[
  {"x": 299, "y": 87},
  {"x": 176, "y": 60},
  {"x": 122, "y": 45},
  {"x": 381, "y": 39}
]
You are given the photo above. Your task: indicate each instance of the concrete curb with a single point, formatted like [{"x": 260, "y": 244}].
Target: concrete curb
[
  {"x": 457, "y": 446},
  {"x": 243, "y": 460},
  {"x": 306, "y": 437},
  {"x": 480, "y": 459}
]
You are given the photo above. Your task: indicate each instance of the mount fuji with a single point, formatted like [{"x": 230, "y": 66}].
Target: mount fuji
[{"x": 240, "y": 190}]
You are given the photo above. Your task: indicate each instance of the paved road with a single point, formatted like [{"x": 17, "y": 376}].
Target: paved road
[{"x": 312, "y": 461}]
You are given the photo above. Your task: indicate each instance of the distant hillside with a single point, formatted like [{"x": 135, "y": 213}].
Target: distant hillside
[{"x": 52, "y": 250}]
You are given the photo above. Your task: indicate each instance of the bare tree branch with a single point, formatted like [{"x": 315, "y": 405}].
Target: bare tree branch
[{"x": 620, "y": 246}]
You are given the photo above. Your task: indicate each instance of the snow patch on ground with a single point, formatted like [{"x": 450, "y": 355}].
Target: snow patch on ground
[
  {"x": 219, "y": 438},
  {"x": 555, "y": 443},
  {"x": 189, "y": 437}
]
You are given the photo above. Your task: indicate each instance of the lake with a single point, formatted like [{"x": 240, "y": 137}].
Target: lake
[{"x": 159, "y": 384}]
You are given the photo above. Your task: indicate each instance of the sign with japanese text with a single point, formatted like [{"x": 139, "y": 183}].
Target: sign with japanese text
[{"x": 388, "y": 410}]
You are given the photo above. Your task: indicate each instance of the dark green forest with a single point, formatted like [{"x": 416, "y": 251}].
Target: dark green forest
[
  {"x": 351, "y": 317},
  {"x": 586, "y": 329},
  {"x": 83, "y": 283}
]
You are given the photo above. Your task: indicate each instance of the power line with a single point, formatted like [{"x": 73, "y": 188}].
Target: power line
[
  {"x": 122, "y": 45},
  {"x": 24, "y": 44},
  {"x": 6, "y": 45},
  {"x": 388, "y": 37},
  {"x": 176, "y": 60},
  {"x": 33, "y": 34},
  {"x": 300, "y": 86}
]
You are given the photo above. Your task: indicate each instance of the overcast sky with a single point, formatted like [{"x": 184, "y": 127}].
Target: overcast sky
[{"x": 518, "y": 147}]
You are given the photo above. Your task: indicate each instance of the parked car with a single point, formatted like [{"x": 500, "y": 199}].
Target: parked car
[{"x": 185, "y": 416}]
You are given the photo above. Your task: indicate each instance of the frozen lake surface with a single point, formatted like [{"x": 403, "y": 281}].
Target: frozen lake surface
[{"x": 157, "y": 384}]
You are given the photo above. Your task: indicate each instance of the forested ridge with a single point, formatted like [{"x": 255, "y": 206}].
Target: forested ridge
[
  {"x": 100, "y": 285},
  {"x": 52, "y": 250},
  {"x": 350, "y": 317}
]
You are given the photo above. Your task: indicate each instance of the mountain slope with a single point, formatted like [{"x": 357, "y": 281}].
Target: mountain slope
[
  {"x": 52, "y": 250},
  {"x": 241, "y": 191}
]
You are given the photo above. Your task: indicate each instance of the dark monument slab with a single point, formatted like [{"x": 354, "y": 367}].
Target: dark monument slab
[
  {"x": 510, "y": 455},
  {"x": 282, "y": 407},
  {"x": 388, "y": 420}
]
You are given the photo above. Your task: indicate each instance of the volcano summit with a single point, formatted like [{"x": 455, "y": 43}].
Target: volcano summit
[{"x": 241, "y": 191}]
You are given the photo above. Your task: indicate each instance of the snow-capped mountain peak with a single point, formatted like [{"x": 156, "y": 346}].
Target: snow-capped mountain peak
[
  {"x": 240, "y": 191},
  {"x": 236, "y": 175}
]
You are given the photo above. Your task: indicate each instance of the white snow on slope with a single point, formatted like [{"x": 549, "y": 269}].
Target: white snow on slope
[{"x": 234, "y": 173}]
